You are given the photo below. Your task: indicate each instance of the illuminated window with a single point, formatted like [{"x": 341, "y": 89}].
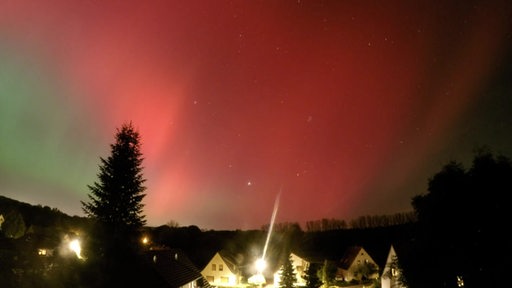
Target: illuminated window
[
  {"x": 221, "y": 267},
  {"x": 224, "y": 279},
  {"x": 214, "y": 267},
  {"x": 460, "y": 281}
]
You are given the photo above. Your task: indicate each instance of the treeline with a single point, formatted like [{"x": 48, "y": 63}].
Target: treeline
[
  {"x": 18, "y": 219},
  {"x": 363, "y": 222}
]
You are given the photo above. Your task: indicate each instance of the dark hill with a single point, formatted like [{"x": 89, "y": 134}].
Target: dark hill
[{"x": 21, "y": 219}]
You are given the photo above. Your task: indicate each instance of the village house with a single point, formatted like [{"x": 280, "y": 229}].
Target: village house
[
  {"x": 390, "y": 277},
  {"x": 221, "y": 271},
  {"x": 357, "y": 264}
]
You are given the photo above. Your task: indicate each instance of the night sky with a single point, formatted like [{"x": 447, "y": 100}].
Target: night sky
[{"x": 345, "y": 108}]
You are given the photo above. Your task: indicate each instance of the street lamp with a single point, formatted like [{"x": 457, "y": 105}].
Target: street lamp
[
  {"x": 258, "y": 279},
  {"x": 261, "y": 264},
  {"x": 74, "y": 246}
]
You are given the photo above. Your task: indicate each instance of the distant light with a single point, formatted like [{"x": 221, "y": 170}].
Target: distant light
[
  {"x": 460, "y": 281},
  {"x": 74, "y": 246},
  {"x": 261, "y": 264},
  {"x": 145, "y": 240}
]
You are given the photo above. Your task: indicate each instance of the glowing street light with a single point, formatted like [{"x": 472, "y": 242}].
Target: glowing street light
[
  {"x": 258, "y": 279},
  {"x": 261, "y": 264},
  {"x": 145, "y": 240},
  {"x": 74, "y": 246}
]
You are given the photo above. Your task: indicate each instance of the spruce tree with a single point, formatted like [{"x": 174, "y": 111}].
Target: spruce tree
[
  {"x": 116, "y": 198},
  {"x": 328, "y": 273},
  {"x": 311, "y": 276},
  {"x": 287, "y": 273}
]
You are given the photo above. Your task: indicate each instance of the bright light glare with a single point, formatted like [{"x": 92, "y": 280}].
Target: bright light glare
[
  {"x": 261, "y": 264},
  {"x": 145, "y": 240},
  {"x": 75, "y": 247},
  {"x": 257, "y": 279}
]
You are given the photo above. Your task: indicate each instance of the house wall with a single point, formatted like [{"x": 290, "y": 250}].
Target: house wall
[
  {"x": 390, "y": 283},
  {"x": 389, "y": 277},
  {"x": 217, "y": 272},
  {"x": 361, "y": 258},
  {"x": 300, "y": 266}
]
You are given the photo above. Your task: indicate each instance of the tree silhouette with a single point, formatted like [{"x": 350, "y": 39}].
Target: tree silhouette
[
  {"x": 328, "y": 273},
  {"x": 287, "y": 273},
  {"x": 115, "y": 203},
  {"x": 116, "y": 200},
  {"x": 394, "y": 273},
  {"x": 461, "y": 217},
  {"x": 14, "y": 225},
  {"x": 311, "y": 276}
]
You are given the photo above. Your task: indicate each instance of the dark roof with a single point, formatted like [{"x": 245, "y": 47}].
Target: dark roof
[
  {"x": 229, "y": 260},
  {"x": 349, "y": 256},
  {"x": 173, "y": 266},
  {"x": 311, "y": 257}
]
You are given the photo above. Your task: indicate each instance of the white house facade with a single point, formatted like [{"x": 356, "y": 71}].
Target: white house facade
[{"x": 221, "y": 271}]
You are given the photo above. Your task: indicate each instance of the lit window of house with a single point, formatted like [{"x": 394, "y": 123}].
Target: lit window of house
[
  {"x": 44, "y": 252},
  {"x": 460, "y": 281}
]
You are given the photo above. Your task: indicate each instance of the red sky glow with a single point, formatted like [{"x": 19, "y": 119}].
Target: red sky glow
[{"x": 346, "y": 107}]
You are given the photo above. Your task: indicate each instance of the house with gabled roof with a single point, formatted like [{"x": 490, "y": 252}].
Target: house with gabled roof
[
  {"x": 353, "y": 264},
  {"x": 175, "y": 269},
  {"x": 222, "y": 270},
  {"x": 390, "y": 277}
]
